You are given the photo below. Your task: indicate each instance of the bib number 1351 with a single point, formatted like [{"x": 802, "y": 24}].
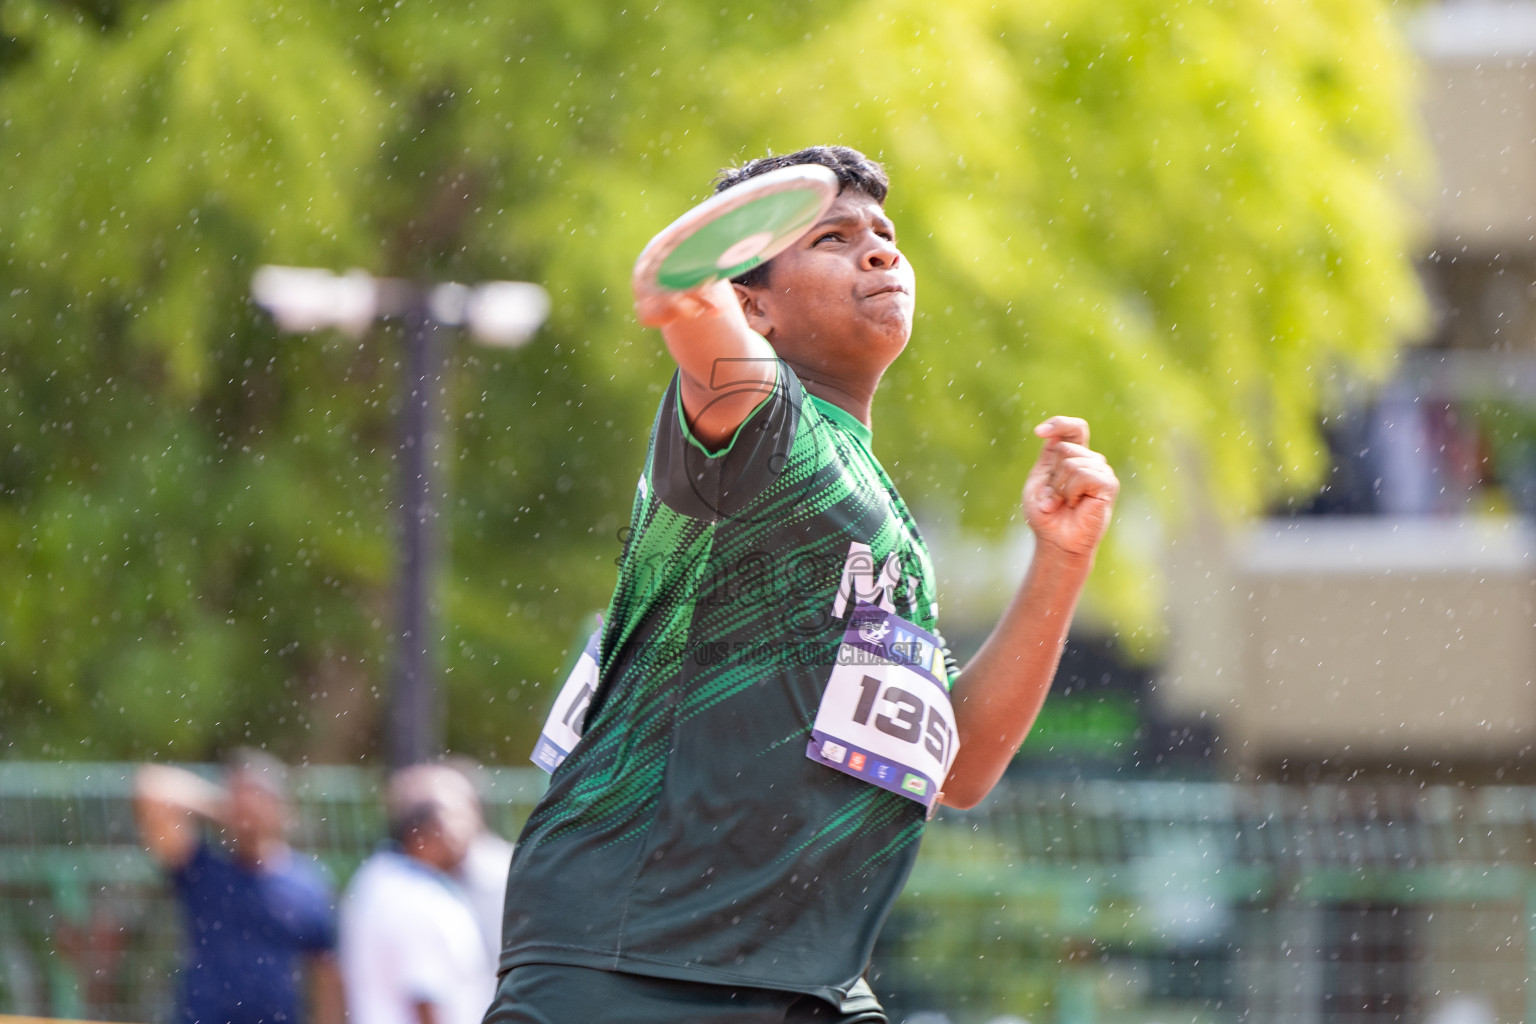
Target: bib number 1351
[{"x": 885, "y": 716}]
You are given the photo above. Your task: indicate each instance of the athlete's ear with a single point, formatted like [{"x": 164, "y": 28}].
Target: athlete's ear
[{"x": 752, "y": 307}]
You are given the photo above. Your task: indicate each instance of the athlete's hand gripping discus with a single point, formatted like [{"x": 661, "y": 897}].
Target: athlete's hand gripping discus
[{"x": 732, "y": 232}]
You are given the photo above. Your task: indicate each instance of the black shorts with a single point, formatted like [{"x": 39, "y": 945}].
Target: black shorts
[{"x": 557, "y": 994}]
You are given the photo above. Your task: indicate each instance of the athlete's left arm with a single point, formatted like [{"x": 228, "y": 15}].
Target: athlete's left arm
[{"x": 1067, "y": 502}]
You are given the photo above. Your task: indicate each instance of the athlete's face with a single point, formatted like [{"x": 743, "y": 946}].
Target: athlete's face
[{"x": 842, "y": 293}]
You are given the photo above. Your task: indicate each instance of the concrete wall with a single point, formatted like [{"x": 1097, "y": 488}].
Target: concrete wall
[
  {"x": 1477, "y": 81},
  {"x": 1367, "y": 638},
  {"x": 1359, "y": 638}
]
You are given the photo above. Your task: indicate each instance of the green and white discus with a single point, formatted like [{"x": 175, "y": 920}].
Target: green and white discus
[{"x": 732, "y": 232}]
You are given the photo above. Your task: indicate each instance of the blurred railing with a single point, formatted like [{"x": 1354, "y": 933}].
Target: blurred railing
[
  {"x": 88, "y": 927},
  {"x": 1080, "y": 903},
  {"x": 1151, "y": 901}
]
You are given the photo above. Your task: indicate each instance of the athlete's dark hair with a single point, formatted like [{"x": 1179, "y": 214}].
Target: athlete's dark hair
[{"x": 853, "y": 169}]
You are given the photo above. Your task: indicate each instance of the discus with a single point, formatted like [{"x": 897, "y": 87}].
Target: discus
[{"x": 732, "y": 232}]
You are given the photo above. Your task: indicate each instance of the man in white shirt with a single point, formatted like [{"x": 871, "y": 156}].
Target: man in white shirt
[
  {"x": 483, "y": 872},
  {"x": 411, "y": 951}
]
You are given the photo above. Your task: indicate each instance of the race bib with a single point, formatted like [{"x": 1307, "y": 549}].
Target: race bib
[
  {"x": 885, "y": 716},
  {"x": 563, "y": 727}
]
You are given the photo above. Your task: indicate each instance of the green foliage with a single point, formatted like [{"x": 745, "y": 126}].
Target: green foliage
[{"x": 1176, "y": 219}]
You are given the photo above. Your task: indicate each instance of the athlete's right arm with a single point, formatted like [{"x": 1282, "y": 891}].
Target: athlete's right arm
[
  {"x": 1067, "y": 503},
  {"x": 727, "y": 368},
  {"x": 167, "y": 803}
]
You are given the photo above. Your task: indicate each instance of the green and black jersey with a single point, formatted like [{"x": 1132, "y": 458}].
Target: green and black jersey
[{"x": 688, "y": 835}]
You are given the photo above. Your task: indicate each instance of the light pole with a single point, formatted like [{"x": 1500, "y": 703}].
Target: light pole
[{"x": 500, "y": 313}]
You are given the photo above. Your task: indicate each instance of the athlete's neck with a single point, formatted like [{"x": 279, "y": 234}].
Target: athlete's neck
[{"x": 854, "y": 399}]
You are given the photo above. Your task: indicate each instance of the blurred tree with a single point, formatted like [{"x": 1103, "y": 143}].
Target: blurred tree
[{"x": 1177, "y": 219}]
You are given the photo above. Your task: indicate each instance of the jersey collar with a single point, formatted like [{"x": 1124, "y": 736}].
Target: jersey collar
[{"x": 843, "y": 418}]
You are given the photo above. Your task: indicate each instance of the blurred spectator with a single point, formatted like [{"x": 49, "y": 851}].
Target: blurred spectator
[
  {"x": 257, "y": 915},
  {"x": 483, "y": 874},
  {"x": 1405, "y": 457},
  {"x": 411, "y": 950}
]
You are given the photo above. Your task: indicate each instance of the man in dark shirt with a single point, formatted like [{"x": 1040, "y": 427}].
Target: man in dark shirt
[
  {"x": 256, "y": 915},
  {"x": 773, "y": 714}
]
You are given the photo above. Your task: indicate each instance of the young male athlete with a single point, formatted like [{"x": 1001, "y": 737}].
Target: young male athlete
[{"x": 773, "y": 709}]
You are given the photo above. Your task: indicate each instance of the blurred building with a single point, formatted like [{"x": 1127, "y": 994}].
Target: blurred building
[
  {"x": 1380, "y": 632},
  {"x": 1388, "y": 624}
]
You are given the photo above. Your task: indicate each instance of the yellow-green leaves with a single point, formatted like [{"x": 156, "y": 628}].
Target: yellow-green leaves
[{"x": 1177, "y": 219}]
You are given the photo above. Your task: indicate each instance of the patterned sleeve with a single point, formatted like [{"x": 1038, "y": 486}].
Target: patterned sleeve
[{"x": 716, "y": 484}]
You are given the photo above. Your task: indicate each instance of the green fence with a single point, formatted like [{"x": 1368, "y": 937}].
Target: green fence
[{"x": 1078, "y": 903}]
